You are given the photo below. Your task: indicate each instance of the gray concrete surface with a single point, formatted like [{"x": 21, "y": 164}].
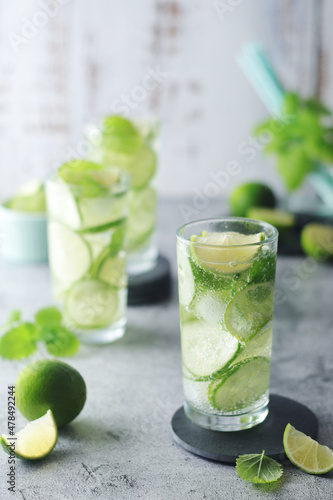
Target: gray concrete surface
[{"x": 121, "y": 446}]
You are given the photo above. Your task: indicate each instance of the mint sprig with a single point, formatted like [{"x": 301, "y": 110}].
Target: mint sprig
[
  {"x": 258, "y": 469},
  {"x": 300, "y": 139},
  {"x": 20, "y": 339}
]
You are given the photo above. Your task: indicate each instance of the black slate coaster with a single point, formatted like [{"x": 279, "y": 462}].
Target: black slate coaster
[
  {"x": 152, "y": 286},
  {"x": 268, "y": 436}
]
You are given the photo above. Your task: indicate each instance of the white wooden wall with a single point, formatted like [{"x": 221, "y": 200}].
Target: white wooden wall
[{"x": 85, "y": 56}]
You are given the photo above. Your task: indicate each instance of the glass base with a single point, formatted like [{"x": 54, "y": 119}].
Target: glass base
[
  {"x": 228, "y": 423},
  {"x": 101, "y": 336},
  {"x": 142, "y": 260}
]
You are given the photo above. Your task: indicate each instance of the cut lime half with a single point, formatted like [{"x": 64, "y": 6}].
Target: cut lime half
[
  {"x": 250, "y": 311},
  {"x": 206, "y": 349},
  {"x": 227, "y": 252},
  {"x": 241, "y": 386},
  {"x": 306, "y": 453},
  {"x": 317, "y": 241},
  {"x": 91, "y": 304},
  {"x": 35, "y": 441}
]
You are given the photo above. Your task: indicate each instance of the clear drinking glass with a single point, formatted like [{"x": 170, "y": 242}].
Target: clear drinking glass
[
  {"x": 86, "y": 238},
  {"x": 226, "y": 274},
  {"x": 132, "y": 146}
]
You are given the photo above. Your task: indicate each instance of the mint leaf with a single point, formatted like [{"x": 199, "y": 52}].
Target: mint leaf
[
  {"x": 258, "y": 469},
  {"x": 19, "y": 342},
  {"x": 60, "y": 341},
  {"x": 49, "y": 316},
  {"x": 14, "y": 317}
]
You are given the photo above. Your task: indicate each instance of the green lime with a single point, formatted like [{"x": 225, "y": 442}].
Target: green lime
[
  {"x": 29, "y": 198},
  {"x": 35, "y": 441},
  {"x": 120, "y": 135},
  {"x": 306, "y": 453},
  {"x": 50, "y": 384},
  {"x": 206, "y": 349},
  {"x": 251, "y": 194},
  {"x": 91, "y": 304},
  {"x": 241, "y": 386},
  {"x": 227, "y": 252},
  {"x": 250, "y": 311},
  {"x": 317, "y": 241},
  {"x": 278, "y": 218}
]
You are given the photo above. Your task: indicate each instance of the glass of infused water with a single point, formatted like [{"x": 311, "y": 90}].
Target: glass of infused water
[
  {"x": 226, "y": 275},
  {"x": 87, "y": 216}
]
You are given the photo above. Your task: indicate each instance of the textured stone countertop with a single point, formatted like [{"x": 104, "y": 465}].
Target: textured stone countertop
[{"x": 121, "y": 446}]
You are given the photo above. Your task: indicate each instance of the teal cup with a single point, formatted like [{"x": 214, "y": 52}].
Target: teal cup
[{"x": 23, "y": 236}]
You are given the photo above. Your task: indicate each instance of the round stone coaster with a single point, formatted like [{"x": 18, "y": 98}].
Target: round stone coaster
[
  {"x": 268, "y": 436},
  {"x": 152, "y": 286}
]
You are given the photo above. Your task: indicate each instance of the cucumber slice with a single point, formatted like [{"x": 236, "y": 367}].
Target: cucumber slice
[
  {"x": 62, "y": 205},
  {"x": 242, "y": 385},
  {"x": 91, "y": 304},
  {"x": 186, "y": 284},
  {"x": 250, "y": 311},
  {"x": 142, "y": 218},
  {"x": 101, "y": 211},
  {"x": 260, "y": 345},
  {"x": 207, "y": 350},
  {"x": 69, "y": 254},
  {"x": 110, "y": 269}
]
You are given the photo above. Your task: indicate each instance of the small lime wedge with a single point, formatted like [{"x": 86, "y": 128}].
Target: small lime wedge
[
  {"x": 306, "y": 453},
  {"x": 227, "y": 252},
  {"x": 317, "y": 241},
  {"x": 36, "y": 440}
]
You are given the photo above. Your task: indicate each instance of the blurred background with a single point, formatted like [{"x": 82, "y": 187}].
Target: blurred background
[{"x": 63, "y": 62}]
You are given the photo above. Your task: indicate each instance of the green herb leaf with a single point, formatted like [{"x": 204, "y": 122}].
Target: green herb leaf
[
  {"x": 49, "y": 316},
  {"x": 19, "y": 342},
  {"x": 60, "y": 341},
  {"x": 258, "y": 469},
  {"x": 14, "y": 317}
]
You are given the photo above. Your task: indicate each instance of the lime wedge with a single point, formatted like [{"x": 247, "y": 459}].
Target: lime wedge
[
  {"x": 227, "y": 252},
  {"x": 241, "y": 386},
  {"x": 142, "y": 218},
  {"x": 186, "y": 286},
  {"x": 91, "y": 304},
  {"x": 317, "y": 241},
  {"x": 306, "y": 453},
  {"x": 69, "y": 254},
  {"x": 250, "y": 311},
  {"x": 62, "y": 205},
  {"x": 206, "y": 349},
  {"x": 35, "y": 441}
]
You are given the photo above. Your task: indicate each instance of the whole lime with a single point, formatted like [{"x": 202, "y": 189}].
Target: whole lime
[
  {"x": 251, "y": 194},
  {"x": 50, "y": 385},
  {"x": 317, "y": 241}
]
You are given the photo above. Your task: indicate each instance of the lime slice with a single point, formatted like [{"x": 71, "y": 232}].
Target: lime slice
[
  {"x": 317, "y": 241},
  {"x": 242, "y": 385},
  {"x": 227, "y": 252},
  {"x": 278, "y": 218},
  {"x": 62, "y": 205},
  {"x": 306, "y": 453},
  {"x": 250, "y": 311},
  {"x": 99, "y": 212},
  {"x": 110, "y": 268},
  {"x": 35, "y": 441},
  {"x": 119, "y": 134},
  {"x": 186, "y": 286},
  {"x": 206, "y": 349},
  {"x": 142, "y": 218},
  {"x": 91, "y": 304},
  {"x": 69, "y": 254}
]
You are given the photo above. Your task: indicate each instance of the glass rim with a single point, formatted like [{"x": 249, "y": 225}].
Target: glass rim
[
  {"x": 265, "y": 225},
  {"x": 124, "y": 181}
]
